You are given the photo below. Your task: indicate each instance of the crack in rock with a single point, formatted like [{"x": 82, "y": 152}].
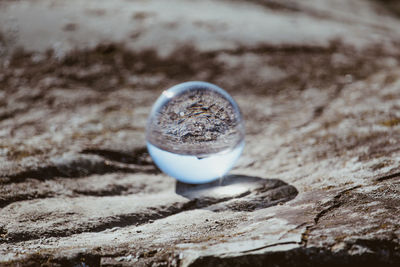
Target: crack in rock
[
  {"x": 387, "y": 177},
  {"x": 76, "y": 168},
  {"x": 270, "y": 245},
  {"x": 139, "y": 156},
  {"x": 335, "y": 203}
]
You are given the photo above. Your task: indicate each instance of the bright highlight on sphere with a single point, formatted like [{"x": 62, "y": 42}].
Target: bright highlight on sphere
[{"x": 195, "y": 132}]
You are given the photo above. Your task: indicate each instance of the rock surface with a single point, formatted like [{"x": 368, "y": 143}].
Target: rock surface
[{"x": 318, "y": 83}]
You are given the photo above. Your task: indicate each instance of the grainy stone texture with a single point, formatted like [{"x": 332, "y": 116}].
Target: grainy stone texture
[{"x": 318, "y": 83}]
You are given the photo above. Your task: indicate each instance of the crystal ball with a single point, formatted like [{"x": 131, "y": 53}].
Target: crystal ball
[{"x": 195, "y": 132}]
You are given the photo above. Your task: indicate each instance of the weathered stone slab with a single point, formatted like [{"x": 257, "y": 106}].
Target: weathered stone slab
[{"x": 318, "y": 83}]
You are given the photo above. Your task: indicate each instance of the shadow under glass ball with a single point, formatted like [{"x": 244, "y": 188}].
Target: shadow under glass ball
[{"x": 195, "y": 132}]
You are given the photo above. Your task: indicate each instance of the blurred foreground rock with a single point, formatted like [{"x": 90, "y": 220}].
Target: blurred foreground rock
[{"x": 318, "y": 83}]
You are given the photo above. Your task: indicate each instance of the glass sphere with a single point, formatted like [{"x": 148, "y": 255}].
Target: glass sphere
[{"x": 195, "y": 132}]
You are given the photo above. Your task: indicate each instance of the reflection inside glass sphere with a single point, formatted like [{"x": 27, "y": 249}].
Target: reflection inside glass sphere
[{"x": 195, "y": 132}]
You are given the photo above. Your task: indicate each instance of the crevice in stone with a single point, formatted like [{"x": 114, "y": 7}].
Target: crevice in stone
[
  {"x": 334, "y": 204},
  {"x": 112, "y": 190},
  {"x": 75, "y": 169},
  {"x": 6, "y": 201},
  {"x": 282, "y": 49},
  {"x": 139, "y": 156},
  {"x": 271, "y": 245},
  {"x": 291, "y": 230},
  {"x": 387, "y": 177},
  {"x": 7, "y": 115},
  {"x": 274, "y": 5}
]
